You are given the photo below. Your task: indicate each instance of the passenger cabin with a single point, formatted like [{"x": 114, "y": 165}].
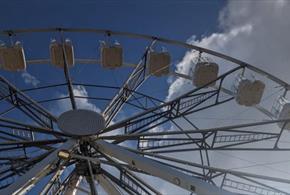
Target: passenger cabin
[
  {"x": 158, "y": 63},
  {"x": 111, "y": 56},
  {"x": 12, "y": 58},
  {"x": 281, "y": 110},
  {"x": 247, "y": 92},
  {"x": 57, "y": 55},
  {"x": 205, "y": 72}
]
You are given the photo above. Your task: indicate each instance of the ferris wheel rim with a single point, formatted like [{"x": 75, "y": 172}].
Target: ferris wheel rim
[
  {"x": 200, "y": 49},
  {"x": 241, "y": 63}
]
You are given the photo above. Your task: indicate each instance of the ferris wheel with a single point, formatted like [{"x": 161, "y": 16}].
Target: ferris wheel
[{"x": 133, "y": 138}]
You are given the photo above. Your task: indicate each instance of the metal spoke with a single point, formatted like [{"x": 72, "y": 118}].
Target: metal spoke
[
  {"x": 186, "y": 104},
  {"x": 72, "y": 183},
  {"x": 90, "y": 179},
  {"x": 12, "y": 124},
  {"x": 157, "y": 169},
  {"x": 26, "y": 181},
  {"x": 32, "y": 143},
  {"x": 31, "y": 153},
  {"x": 20, "y": 100},
  {"x": 216, "y": 171},
  {"x": 129, "y": 178},
  {"x": 135, "y": 79},
  {"x": 107, "y": 185},
  {"x": 67, "y": 75},
  {"x": 222, "y": 138}
]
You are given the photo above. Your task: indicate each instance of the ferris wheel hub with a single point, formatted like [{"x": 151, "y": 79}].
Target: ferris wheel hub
[{"x": 81, "y": 122}]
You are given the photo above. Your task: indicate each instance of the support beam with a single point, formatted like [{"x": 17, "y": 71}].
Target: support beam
[
  {"x": 157, "y": 169},
  {"x": 13, "y": 124},
  {"x": 107, "y": 185},
  {"x": 20, "y": 100},
  {"x": 39, "y": 170},
  {"x": 67, "y": 75},
  {"x": 186, "y": 104},
  {"x": 72, "y": 184},
  {"x": 218, "y": 172},
  {"x": 136, "y": 78}
]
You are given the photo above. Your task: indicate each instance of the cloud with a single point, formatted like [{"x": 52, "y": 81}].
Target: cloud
[
  {"x": 82, "y": 103},
  {"x": 30, "y": 79},
  {"x": 254, "y": 31}
]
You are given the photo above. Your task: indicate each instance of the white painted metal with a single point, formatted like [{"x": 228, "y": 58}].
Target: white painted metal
[
  {"x": 111, "y": 55},
  {"x": 57, "y": 56},
  {"x": 73, "y": 184},
  {"x": 281, "y": 110},
  {"x": 158, "y": 63},
  {"x": 25, "y": 182},
  {"x": 56, "y": 175},
  {"x": 159, "y": 170},
  {"x": 107, "y": 185},
  {"x": 81, "y": 122},
  {"x": 12, "y": 58},
  {"x": 205, "y": 72}
]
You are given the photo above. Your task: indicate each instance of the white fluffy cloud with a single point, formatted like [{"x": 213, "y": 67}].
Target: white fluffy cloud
[
  {"x": 82, "y": 103},
  {"x": 256, "y": 32}
]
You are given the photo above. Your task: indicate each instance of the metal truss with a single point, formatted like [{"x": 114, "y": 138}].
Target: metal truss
[
  {"x": 224, "y": 178},
  {"x": 191, "y": 102},
  {"x": 222, "y": 138},
  {"x": 136, "y": 78},
  {"x": 23, "y": 102},
  {"x": 31, "y": 159}
]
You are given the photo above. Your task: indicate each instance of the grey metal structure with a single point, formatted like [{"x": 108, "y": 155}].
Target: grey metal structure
[{"x": 92, "y": 158}]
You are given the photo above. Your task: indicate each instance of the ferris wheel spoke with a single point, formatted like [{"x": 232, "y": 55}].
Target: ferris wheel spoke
[
  {"x": 72, "y": 184},
  {"x": 157, "y": 169},
  {"x": 33, "y": 143},
  {"x": 129, "y": 189},
  {"x": 15, "y": 125},
  {"x": 107, "y": 185},
  {"x": 53, "y": 183},
  {"x": 191, "y": 102},
  {"x": 231, "y": 179},
  {"x": 61, "y": 181},
  {"x": 221, "y": 138},
  {"x": 135, "y": 79},
  {"x": 38, "y": 171},
  {"x": 17, "y": 166},
  {"x": 67, "y": 73},
  {"x": 26, "y": 104},
  {"x": 128, "y": 177}
]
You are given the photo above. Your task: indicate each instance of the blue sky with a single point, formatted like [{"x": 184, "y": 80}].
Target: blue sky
[
  {"x": 249, "y": 32},
  {"x": 171, "y": 19},
  {"x": 178, "y": 20}
]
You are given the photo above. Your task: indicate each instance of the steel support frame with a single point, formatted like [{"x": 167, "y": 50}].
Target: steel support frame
[
  {"x": 186, "y": 104},
  {"x": 128, "y": 178},
  {"x": 157, "y": 169},
  {"x": 223, "y": 174},
  {"x": 25, "y": 182},
  {"x": 136, "y": 78},
  {"x": 24, "y": 103}
]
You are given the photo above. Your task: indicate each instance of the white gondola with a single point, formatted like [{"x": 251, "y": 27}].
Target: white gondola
[
  {"x": 12, "y": 58},
  {"x": 205, "y": 72},
  {"x": 57, "y": 56},
  {"x": 281, "y": 110},
  {"x": 158, "y": 63},
  {"x": 248, "y": 93},
  {"x": 111, "y": 55}
]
